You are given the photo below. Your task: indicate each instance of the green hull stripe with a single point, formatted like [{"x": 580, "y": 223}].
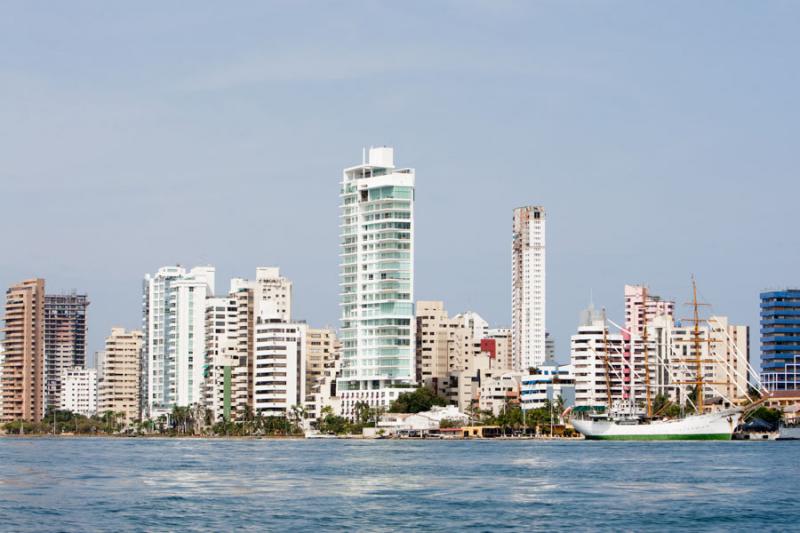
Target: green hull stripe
[{"x": 706, "y": 436}]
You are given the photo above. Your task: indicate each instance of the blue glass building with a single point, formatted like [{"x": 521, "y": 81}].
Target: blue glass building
[{"x": 780, "y": 339}]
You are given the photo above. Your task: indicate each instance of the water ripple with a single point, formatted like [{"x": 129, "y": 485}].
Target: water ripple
[{"x": 216, "y": 485}]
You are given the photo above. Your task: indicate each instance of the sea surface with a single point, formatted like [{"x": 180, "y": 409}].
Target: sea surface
[{"x": 118, "y": 484}]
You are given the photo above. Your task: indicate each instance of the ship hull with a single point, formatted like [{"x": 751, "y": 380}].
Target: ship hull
[
  {"x": 710, "y": 426},
  {"x": 789, "y": 433}
]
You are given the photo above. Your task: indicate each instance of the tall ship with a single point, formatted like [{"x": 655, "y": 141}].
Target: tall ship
[{"x": 688, "y": 414}]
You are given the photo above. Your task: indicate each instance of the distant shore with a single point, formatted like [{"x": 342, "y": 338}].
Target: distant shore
[{"x": 275, "y": 437}]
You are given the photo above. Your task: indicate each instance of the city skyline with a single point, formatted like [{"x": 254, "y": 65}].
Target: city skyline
[{"x": 629, "y": 145}]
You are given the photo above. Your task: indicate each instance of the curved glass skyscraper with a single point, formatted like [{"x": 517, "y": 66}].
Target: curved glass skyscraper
[{"x": 376, "y": 280}]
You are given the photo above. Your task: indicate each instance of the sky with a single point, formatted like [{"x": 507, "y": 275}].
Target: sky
[{"x": 661, "y": 138}]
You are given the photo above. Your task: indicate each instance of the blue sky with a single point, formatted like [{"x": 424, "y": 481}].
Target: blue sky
[{"x": 661, "y": 138}]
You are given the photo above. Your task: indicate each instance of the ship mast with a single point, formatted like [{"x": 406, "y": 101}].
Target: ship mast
[
  {"x": 646, "y": 356},
  {"x": 606, "y": 362},
  {"x": 697, "y": 356}
]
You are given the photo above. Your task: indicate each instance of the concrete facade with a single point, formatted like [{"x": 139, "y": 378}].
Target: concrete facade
[
  {"x": 528, "y": 294},
  {"x": 280, "y": 360},
  {"x": 174, "y": 337},
  {"x": 65, "y": 331},
  {"x": 118, "y": 374},
  {"x": 23, "y": 372},
  {"x": 79, "y": 391}
]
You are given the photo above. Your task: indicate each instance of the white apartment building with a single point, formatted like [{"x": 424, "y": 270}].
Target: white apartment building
[
  {"x": 270, "y": 286},
  {"x": 498, "y": 390},
  {"x": 377, "y": 280},
  {"x": 79, "y": 391},
  {"x": 174, "y": 337},
  {"x": 548, "y": 384},
  {"x": 225, "y": 387},
  {"x": 477, "y": 326},
  {"x": 280, "y": 363},
  {"x": 598, "y": 362},
  {"x": 528, "y": 288},
  {"x": 118, "y": 374}
]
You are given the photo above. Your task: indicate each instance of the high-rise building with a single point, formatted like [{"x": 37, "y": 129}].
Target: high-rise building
[
  {"x": 118, "y": 374},
  {"x": 596, "y": 356},
  {"x": 226, "y": 367},
  {"x": 432, "y": 345},
  {"x": 721, "y": 347},
  {"x": 377, "y": 279},
  {"x": 271, "y": 286},
  {"x": 23, "y": 346},
  {"x": 79, "y": 391},
  {"x": 780, "y": 339},
  {"x": 174, "y": 315},
  {"x": 638, "y": 313},
  {"x": 528, "y": 288},
  {"x": 280, "y": 361},
  {"x": 65, "y": 329}
]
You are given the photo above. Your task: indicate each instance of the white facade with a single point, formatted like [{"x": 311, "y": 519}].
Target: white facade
[
  {"x": 498, "y": 390},
  {"x": 528, "y": 288},
  {"x": 270, "y": 286},
  {"x": 377, "y": 279},
  {"x": 225, "y": 372},
  {"x": 595, "y": 354},
  {"x": 79, "y": 391},
  {"x": 393, "y": 423},
  {"x": 174, "y": 337},
  {"x": 547, "y": 385},
  {"x": 279, "y": 367},
  {"x": 477, "y": 326}
]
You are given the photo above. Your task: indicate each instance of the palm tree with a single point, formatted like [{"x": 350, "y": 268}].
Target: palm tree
[
  {"x": 298, "y": 415},
  {"x": 559, "y": 407}
]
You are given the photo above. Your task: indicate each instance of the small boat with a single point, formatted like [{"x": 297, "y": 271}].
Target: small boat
[{"x": 318, "y": 435}]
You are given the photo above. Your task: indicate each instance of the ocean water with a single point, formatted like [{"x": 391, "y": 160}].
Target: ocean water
[{"x": 108, "y": 484}]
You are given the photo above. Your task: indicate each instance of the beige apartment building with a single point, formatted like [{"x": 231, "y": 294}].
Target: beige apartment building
[
  {"x": 118, "y": 374},
  {"x": 323, "y": 351},
  {"x": 23, "y": 346},
  {"x": 453, "y": 355}
]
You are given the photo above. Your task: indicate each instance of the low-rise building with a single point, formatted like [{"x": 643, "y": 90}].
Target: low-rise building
[
  {"x": 498, "y": 391},
  {"x": 323, "y": 351},
  {"x": 420, "y": 423},
  {"x": 548, "y": 384}
]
